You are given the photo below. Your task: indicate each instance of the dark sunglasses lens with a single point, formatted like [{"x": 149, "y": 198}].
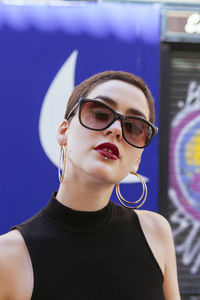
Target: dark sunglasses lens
[
  {"x": 137, "y": 132},
  {"x": 96, "y": 115}
]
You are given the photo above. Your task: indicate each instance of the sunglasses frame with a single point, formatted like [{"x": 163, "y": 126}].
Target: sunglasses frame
[{"x": 117, "y": 116}]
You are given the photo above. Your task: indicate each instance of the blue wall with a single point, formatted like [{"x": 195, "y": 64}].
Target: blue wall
[{"x": 35, "y": 42}]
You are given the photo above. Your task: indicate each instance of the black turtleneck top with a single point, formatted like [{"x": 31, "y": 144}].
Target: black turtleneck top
[{"x": 99, "y": 255}]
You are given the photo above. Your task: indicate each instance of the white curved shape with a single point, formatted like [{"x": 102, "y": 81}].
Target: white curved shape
[
  {"x": 133, "y": 179},
  {"x": 54, "y": 106}
]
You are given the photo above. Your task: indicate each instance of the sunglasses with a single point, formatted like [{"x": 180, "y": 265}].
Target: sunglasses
[{"x": 96, "y": 115}]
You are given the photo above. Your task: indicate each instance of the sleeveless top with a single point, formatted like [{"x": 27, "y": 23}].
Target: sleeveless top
[{"x": 78, "y": 255}]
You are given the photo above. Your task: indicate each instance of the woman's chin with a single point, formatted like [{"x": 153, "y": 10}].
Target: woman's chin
[{"x": 104, "y": 174}]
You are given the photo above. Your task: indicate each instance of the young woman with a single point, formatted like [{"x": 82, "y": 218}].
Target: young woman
[{"x": 81, "y": 246}]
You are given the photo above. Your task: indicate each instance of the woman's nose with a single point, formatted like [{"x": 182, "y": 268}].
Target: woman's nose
[{"x": 115, "y": 129}]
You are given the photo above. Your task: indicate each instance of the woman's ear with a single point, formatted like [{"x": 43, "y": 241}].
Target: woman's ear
[
  {"x": 136, "y": 165},
  {"x": 62, "y": 133}
]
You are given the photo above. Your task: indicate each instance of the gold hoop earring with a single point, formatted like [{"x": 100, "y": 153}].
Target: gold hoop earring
[
  {"x": 142, "y": 198},
  {"x": 62, "y": 159}
]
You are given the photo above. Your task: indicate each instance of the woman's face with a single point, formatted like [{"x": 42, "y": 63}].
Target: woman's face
[{"x": 82, "y": 144}]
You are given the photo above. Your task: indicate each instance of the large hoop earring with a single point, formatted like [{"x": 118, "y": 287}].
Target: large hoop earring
[
  {"x": 142, "y": 198},
  {"x": 62, "y": 160}
]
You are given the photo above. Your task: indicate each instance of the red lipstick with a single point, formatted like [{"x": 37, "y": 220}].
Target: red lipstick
[{"x": 108, "y": 150}]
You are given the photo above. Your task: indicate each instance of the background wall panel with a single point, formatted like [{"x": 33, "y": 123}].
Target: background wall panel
[{"x": 44, "y": 52}]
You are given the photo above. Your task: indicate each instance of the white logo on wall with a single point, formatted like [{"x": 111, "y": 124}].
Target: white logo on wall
[
  {"x": 53, "y": 109},
  {"x": 184, "y": 188},
  {"x": 193, "y": 24}
]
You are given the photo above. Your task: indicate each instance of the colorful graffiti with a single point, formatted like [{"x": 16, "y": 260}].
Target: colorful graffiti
[{"x": 184, "y": 188}]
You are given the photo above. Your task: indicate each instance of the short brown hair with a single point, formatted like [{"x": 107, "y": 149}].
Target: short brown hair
[{"x": 85, "y": 87}]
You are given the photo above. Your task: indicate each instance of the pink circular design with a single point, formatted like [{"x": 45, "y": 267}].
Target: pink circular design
[{"x": 174, "y": 172}]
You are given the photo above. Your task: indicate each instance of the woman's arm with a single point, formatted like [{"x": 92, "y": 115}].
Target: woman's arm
[
  {"x": 159, "y": 237},
  {"x": 171, "y": 289},
  {"x": 16, "y": 275}
]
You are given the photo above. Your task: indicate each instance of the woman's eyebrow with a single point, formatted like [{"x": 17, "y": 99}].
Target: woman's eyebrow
[
  {"x": 107, "y": 99},
  {"x": 136, "y": 112},
  {"x": 130, "y": 111}
]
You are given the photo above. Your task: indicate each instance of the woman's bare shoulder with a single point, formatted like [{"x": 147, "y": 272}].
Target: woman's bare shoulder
[
  {"x": 13, "y": 236},
  {"x": 12, "y": 247},
  {"x": 154, "y": 221},
  {"x": 15, "y": 266}
]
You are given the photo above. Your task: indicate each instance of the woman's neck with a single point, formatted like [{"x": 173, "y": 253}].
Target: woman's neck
[{"x": 84, "y": 195}]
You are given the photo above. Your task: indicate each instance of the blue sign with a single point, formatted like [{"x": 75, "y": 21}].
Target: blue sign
[{"x": 44, "y": 52}]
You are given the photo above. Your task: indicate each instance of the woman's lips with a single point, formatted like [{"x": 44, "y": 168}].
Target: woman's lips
[{"x": 108, "y": 150}]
